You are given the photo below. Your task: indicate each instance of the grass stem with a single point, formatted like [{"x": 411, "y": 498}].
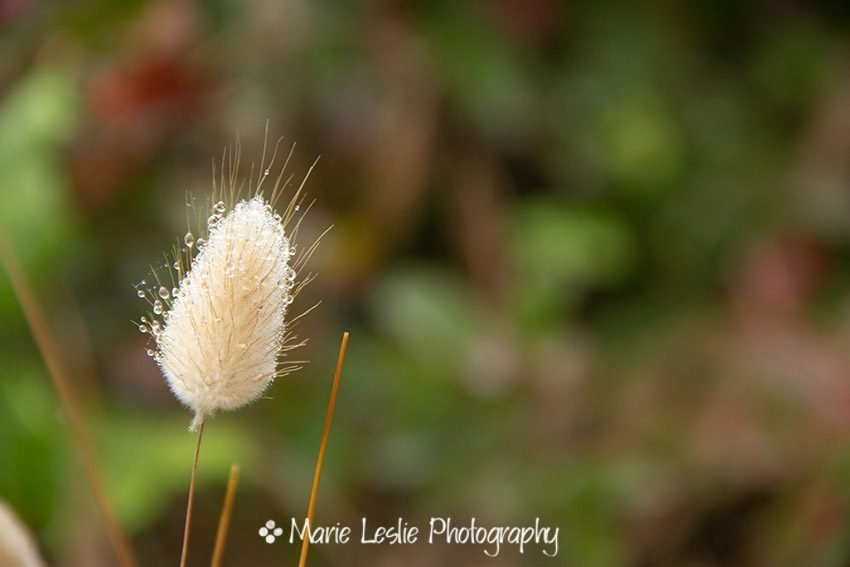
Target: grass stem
[
  {"x": 50, "y": 352},
  {"x": 311, "y": 508},
  {"x": 185, "y": 550},
  {"x": 224, "y": 520}
]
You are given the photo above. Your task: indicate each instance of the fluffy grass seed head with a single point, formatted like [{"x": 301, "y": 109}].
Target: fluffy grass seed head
[{"x": 221, "y": 331}]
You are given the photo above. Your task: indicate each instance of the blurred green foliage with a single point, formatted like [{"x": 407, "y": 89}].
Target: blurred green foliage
[{"x": 36, "y": 118}]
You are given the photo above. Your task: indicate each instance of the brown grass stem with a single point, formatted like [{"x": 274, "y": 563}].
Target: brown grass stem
[
  {"x": 224, "y": 519},
  {"x": 50, "y": 352},
  {"x": 311, "y": 507},
  {"x": 188, "y": 524}
]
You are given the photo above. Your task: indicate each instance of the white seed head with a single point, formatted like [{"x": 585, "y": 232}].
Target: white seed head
[
  {"x": 17, "y": 546},
  {"x": 223, "y": 326}
]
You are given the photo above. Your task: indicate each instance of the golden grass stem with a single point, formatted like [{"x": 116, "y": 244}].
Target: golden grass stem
[
  {"x": 188, "y": 524},
  {"x": 224, "y": 519},
  {"x": 302, "y": 562},
  {"x": 49, "y": 349}
]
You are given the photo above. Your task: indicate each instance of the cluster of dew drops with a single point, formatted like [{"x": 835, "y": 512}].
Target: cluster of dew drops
[
  {"x": 162, "y": 297},
  {"x": 154, "y": 325}
]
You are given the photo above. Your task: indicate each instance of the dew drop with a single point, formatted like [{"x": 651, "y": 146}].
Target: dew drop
[
  {"x": 189, "y": 239},
  {"x": 266, "y": 172},
  {"x": 140, "y": 293},
  {"x": 143, "y": 329},
  {"x": 150, "y": 352},
  {"x": 174, "y": 292},
  {"x": 288, "y": 300},
  {"x": 143, "y": 282},
  {"x": 163, "y": 293},
  {"x": 144, "y": 319},
  {"x": 201, "y": 243},
  {"x": 297, "y": 207},
  {"x": 177, "y": 266},
  {"x": 219, "y": 208},
  {"x": 157, "y": 307}
]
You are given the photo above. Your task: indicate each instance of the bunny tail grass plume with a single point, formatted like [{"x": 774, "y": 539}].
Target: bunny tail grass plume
[
  {"x": 219, "y": 345},
  {"x": 219, "y": 327},
  {"x": 17, "y": 546}
]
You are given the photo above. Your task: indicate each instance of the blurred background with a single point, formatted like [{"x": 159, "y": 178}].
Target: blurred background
[{"x": 595, "y": 260}]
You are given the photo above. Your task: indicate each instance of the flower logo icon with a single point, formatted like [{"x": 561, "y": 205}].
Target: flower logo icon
[{"x": 270, "y": 532}]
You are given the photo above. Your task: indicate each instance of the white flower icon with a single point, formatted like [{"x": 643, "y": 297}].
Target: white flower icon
[{"x": 269, "y": 532}]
